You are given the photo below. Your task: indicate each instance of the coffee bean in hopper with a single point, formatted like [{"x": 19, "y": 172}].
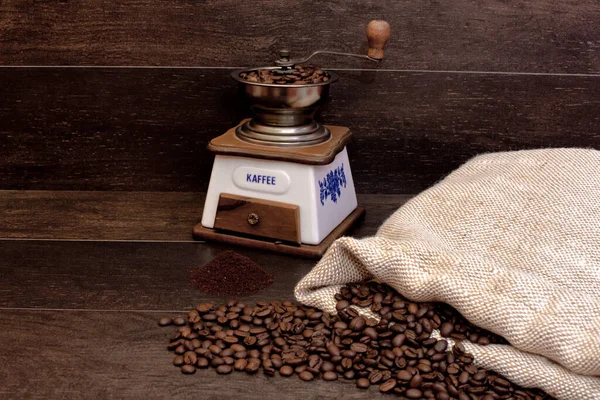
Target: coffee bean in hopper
[
  {"x": 396, "y": 353},
  {"x": 299, "y": 75}
]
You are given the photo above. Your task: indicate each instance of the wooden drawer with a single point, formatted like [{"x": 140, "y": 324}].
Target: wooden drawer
[{"x": 257, "y": 217}]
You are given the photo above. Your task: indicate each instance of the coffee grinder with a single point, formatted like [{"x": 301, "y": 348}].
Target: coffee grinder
[{"x": 281, "y": 181}]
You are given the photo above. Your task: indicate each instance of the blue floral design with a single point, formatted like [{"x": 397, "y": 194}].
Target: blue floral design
[{"x": 331, "y": 185}]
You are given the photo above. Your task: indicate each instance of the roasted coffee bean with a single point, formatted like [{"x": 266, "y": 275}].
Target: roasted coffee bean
[
  {"x": 437, "y": 387},
  {"x": 330, "y": 376},
  {"x": 371, "y": 333},
  {"x": 421, "y": 312},
  {"x": 463, "y": 396},
  {"x": 359, "y": 347},
  {"x": 306, "y": 376},
  {"x": 480, "y": 375},
  {"x": 453, "y": 369},
  {"x": 413, "y": 394},
  {"x": 349, "y": 353},
  {"x": 424, "y": 368},
  {"x": 404, "y": 375},
  {"x": 202, "y": 362},
  {"x": 268, "y": 368},
  {"x": 471, "y": 369},
  {"x": 188, "y": 369},
  {"x": 240, "y": 364},
  {"x": 363, "y": 383},
  {"x": 400, "y": 362},
  {"x": 375, "y": 377},
  {"x": 300, "y": 368},
  {"x": 179, "y": 321},
  {"x": 277, "y": 362},
  {"x": 357, "y": 324},
  {"x": 294, "y": 361},
  {"x": 253, "y": 365},
  {"x": 190, "y": 357},
  {"x": 349, "y": 374},
  {"x": 466, "y": 358},
  {"x": 446, "y": 329},
  {"x": 501, "y": 382},
  {"x": 441, "y": 346},
  {"x": 204, "y": 307},
  {"x": 387, "y": 386},
  {"x": 476, "y": 389},
  {"x": 215, "y": 362},
  {"x": 458, "y": 348},
  {"x": 165, "y": 321},
  {"x": 463, "y": 377},
  {"x": 398, "y": 340},
  {"x": 224, "y": 369},
  {"x": 286, "y": 370},
  {"x": 178, "y": 361},
  {"x": 333, "y": 349},
  {"x": 411, "y": 353},
  {"x": 346, "y": 363},
  {"x": 416, "y": 381},
  {"x": 483, "y": 341}
]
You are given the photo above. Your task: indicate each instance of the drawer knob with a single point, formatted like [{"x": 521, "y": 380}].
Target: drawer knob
[{"x": 253, "y": 219}]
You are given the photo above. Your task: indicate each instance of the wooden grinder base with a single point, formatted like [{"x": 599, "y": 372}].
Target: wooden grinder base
[{"x": 302, "y": 250}]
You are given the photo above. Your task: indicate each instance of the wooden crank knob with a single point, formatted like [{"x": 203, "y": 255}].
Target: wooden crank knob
[{"x": 378, "y": 33}]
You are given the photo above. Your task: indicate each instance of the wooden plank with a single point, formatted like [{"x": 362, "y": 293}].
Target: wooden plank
[
  {"x": 532, "y": 36},
  {"x": 131, "y": 129},
  {"x": 74, "y": 354},
  {"x": 123, "y": 275},
  {"x": 132, "y": 275},
  {"x": 272, "y": 219},
  {"x": 136, "y": 216},
  {"x": 71, "y": 215}
]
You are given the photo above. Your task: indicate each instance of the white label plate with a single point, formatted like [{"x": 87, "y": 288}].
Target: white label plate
[{"x": 261, "y": 179}]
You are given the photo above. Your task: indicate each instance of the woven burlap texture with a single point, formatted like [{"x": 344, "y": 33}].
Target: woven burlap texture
[{"x": 512, "y": 241}]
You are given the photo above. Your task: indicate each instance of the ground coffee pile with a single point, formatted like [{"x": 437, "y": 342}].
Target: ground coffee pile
[
  {"x": 397, "y": 352},
  {"x": 230, "y": 274}
]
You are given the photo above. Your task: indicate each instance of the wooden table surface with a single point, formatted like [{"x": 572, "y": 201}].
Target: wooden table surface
[{"x": 84, "y": 277}]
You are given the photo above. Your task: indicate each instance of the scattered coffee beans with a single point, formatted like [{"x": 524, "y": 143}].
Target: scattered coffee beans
[
  {"x": 396, "y": 353},
  {"x": 298, "y": 76},
  {"x": 229, "y": 274}
]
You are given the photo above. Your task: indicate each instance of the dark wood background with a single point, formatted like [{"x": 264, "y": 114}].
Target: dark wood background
[{"x": 105, "y": 96}]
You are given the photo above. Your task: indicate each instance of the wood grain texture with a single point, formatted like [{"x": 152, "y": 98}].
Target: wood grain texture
[
  {"x": 147, "y": 130},
  {"x": 72, "y": 354},
  {"x": 134, "y": 216},
  {"x": 518, "y": 36},
  {"x": 79, "y": 215},
  {"x": 274, "y": 220},
  {"x": 123, "y": 276}
]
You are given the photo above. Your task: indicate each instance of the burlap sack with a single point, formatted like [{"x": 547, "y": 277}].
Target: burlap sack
[{"x": 512, "y": 241}]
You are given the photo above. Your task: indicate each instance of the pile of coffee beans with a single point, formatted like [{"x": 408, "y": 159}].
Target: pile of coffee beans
[
  {"x": 298, "y": 76},
  {"x": 396, "y": 353}
]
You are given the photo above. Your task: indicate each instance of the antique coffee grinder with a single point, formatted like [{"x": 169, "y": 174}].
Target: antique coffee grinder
[{"x": 282, "y": 181}]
